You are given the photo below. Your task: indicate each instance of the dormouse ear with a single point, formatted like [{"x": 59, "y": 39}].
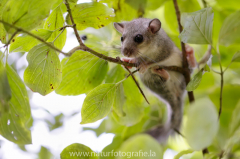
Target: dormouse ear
[
  {"x": 154, "y": 25},
  {"x": 119, "y": 27}
]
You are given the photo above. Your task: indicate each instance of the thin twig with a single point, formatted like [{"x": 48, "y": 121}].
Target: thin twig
[
  {"x": 73, "y": 24},
  {"x": 65, "y": 26},
  {"x": 132, "y": 73},
  {"x": 9, "y": 41},
  {"x": 204, "y": 3},
  {"x": 137, "y": 84},
  {"x": 184, "y": 61},
  {"x": 58, "y": 35},
  {"x": 221, "y": 94}
]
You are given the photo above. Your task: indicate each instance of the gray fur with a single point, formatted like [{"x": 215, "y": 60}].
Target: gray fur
[{"x": 156, "y": 49}]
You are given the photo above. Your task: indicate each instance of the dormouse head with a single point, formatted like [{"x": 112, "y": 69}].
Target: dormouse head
[{"x": 138, "y": 36}]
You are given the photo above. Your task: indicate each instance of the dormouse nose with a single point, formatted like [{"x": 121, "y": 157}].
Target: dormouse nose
[{"x": 127, "y": 52}]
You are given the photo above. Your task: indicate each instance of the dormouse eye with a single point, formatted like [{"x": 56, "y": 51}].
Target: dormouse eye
[
  {"x": 138, "y": 38},
  {"x": 121, "y": 39}
]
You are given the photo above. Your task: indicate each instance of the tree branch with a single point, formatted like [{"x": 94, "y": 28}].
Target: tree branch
[
  {"x": 185, "y": 63},
  {"x": 36, "y": 37}
]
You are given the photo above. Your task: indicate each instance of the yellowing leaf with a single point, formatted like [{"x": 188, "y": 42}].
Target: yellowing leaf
[
  {"x": 81, "y": 73},
  {"x": 54, "y": 22},
  {"x": 25, "y": 42},
  {"x": 94, "y": 14},
  {"x": 25, "y": 14},
  {"x": 98, "y": 103},
  {"x": 44, "y": 72},
  {"x": 2, "y": 29}
]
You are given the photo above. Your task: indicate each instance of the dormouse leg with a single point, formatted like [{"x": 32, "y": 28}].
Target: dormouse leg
[
  {"x": 161, "y": 72},
  {"x": 190, "y": 57}
]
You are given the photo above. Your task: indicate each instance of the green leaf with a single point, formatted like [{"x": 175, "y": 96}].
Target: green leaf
[
  {"x": 141, "y": 146},
  {"x": 184, "y": 152},
  {"x": 235, "y": 121},
  {"x": 3, "y": 32},
  {"x": 122, "y": 10},
  {"x": 137, "y": 4},
  {"x": 98, "y": 103},
  {"x": 16, "y": 121},
  {"x": 81, "y": 73},
  {"x": 202, "y": 124},
  {"x": 73, "y": 1},
  {"x": 197, "y": 27},
  {"x": 77, "y": 151},
  {"x": 184, "y": 7},
  {"x": 25, "y": 42},
  {"x": 94, "y": 14},
  {"x": 132, "y": 107},
  {"x": 26, "y": 14},
  {"x": 116, "y": 74},
  {"x": 119, "y": 100},
  {"x": 232, "y": 141},
  {"x": 5, "y": 91},
  {"x": 230, "y": 99},
  {"x": 44, "y": 72},
  {"x": 54, "y": 22},
  {"x": 131, "y": 130},
  {"x": 117, "y": 141},
  {"x": 108, "y": 125},
  {"x": 153, "y": 5},
  {"x": 230, "y": 30},
  {"x": 58, "y": 122},
  {"x": 236, "y": 57},
  {"x": 194, "y": 83},
  {"x": 44, "y": 153}
]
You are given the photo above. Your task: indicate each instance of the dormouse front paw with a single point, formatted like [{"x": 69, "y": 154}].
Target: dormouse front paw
[
  {"x": 190, "y": 57},
  {"x": 129, "y": 60}
]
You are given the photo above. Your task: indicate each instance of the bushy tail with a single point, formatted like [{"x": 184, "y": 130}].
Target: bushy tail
[{"x": 172, "y": 125}]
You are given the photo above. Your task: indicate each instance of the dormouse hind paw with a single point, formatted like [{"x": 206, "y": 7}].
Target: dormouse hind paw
[{"x": 161, "y": 72}]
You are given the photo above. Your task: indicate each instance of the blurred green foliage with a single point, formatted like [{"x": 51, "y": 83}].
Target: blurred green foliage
[{"x": 109, "y": 92}]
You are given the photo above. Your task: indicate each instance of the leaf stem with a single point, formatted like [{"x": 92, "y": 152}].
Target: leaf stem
[
  {"x": 62, "y": 30},
  {"x": 222, "y": 79},
  {"x": 227, "y": 67}
]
